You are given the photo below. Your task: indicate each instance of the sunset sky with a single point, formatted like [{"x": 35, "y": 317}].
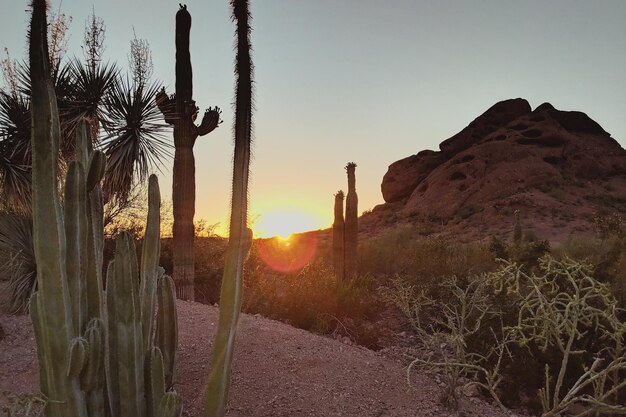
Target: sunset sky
[{"x": 368, "y": 81}]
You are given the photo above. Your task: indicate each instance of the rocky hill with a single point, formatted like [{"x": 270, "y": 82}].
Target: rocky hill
[{"x": 556, "y": 167}]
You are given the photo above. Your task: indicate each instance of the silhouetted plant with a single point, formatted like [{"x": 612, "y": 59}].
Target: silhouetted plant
[
  {"x": 338, "y": 237},
  {"x": 351, "y": 223},
  {"x": 181, "y": 111}
]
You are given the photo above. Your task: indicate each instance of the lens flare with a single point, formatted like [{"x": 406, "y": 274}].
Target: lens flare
[{"x": 287, "y": 254}]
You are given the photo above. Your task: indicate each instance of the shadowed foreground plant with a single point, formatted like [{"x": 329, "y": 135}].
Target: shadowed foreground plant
[
  {"x": 95, "y": 350},
  {"x": 240, "y": 237}
]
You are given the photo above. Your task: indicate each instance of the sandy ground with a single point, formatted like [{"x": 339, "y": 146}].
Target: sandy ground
[{"x": 279, "y": 371}]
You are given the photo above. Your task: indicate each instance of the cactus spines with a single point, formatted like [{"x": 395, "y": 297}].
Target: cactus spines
[
  {"x": 52, "y": 316},
  {"x": 240, "y": 238},
  {"x": 77, "y": 356},
  {"x": 171, "y": 405},
  {"x": 125, "y": 358},
  {"x": 150, "y": 260},
  {"x": 166, "y": 338},
  {"x": 351, "y": 223},
  {"x": 181, "y": 112},
  {"x": 93, "y": 372},
  {"x": 338, "y": 237}
]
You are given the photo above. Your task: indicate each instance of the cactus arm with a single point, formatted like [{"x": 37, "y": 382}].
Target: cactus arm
[
  {"x": 124, "y": 333},
  {"x": 166, "y": 106},
  {"x": 155, "y": 380},
  {"x": 240, "y": 238},
  {"x": 76, "y": 239},
  {"x": 166, "y": 329},
  {"x": 210, "y": 121},
  {"x": 151, "y": 250}
]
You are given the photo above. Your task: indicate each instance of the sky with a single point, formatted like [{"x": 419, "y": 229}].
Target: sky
[{"x": 369, "y": 81}]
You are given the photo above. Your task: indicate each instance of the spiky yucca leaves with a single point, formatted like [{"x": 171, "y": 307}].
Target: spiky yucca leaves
[
  {"x": 15, "y": 159},
  {"x": 133, "y": 143},
  {"x": 240, "y": 238},
  {"x": 352, "y": 223},
  {"x": 181, "y": 111},
  {"x": 338, "y": 237},
  {"x": 16, "y": 240}
]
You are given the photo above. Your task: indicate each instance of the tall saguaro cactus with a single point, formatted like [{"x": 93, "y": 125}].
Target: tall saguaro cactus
[
  {"x": 80, "y": 349},
  {"x": 338, "y": 237},
  {"x": 240, "y": 238},
  {"x": 181, "y": 112},
  {"x": 352, "y": 223}
]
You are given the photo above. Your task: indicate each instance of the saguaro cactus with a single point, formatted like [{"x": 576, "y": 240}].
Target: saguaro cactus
[
  {"x": 181, "y": 112},
  {"x": 240, "y": 238},
  {"x": 352, "y": 223},
  {"x": 81, "y": 350},
  {"x": 338, "y": 237}
]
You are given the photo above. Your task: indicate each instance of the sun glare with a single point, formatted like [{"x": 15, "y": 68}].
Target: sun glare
[{"x": 285, "y": 222}]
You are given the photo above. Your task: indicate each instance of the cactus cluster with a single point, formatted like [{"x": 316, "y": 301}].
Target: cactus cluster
[
  {"x": 100, "y": 353},
  {"x": 346, "y": 231}
]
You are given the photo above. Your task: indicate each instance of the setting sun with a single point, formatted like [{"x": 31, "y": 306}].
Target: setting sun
[{"x": 286, "y": 221}]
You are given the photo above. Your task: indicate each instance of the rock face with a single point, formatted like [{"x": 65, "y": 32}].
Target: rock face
[{"x": 556, "y": 167}]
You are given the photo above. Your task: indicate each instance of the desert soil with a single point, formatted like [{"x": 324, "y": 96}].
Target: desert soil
[{"x": 279, "y": 371}]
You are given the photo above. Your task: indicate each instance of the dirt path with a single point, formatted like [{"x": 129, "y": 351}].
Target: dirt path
[{"x": 279, "y": 371}]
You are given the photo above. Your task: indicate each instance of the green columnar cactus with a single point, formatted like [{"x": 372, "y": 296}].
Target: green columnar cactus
[
  {"x": 338, "y": 238},
  {"x": 81, "y": 350},
  {"x": 240, "y": 238},
  {"x": 352, "y": 223},
  {"x": 50, "y": 308},
  {"x": 181, "y": 112},
  {"x": 166, "y": 338}
]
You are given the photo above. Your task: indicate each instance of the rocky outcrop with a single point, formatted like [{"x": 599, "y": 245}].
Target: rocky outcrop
[
  {"x": 404, "y": 175},
  {"x": 554, "y": 166}
]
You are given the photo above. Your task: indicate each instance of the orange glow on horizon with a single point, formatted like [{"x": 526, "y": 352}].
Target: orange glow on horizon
[{"x": 285, "y": 221}]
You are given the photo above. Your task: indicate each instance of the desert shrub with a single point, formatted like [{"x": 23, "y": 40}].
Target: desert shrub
[
  {"x": 312, "y": 299},
  {"x": 607, "y": 258},
  {"x": 558, "y": 332},
  {"x": 23, "y": 405},
  {"x": 402, "y": 251}
]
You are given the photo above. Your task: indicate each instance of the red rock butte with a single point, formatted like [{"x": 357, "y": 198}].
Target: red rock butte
[{"x": 556, "y": 167}]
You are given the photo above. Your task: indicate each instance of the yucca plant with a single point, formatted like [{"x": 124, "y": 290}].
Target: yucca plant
[
  {"x": 124, "y": 122},
  {"x": 16, "y": 241}
]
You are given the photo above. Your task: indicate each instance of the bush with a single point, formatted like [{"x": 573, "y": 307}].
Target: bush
[
  {"x": 559, "y": 331},
  {"x": 312, "y": 299}
]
